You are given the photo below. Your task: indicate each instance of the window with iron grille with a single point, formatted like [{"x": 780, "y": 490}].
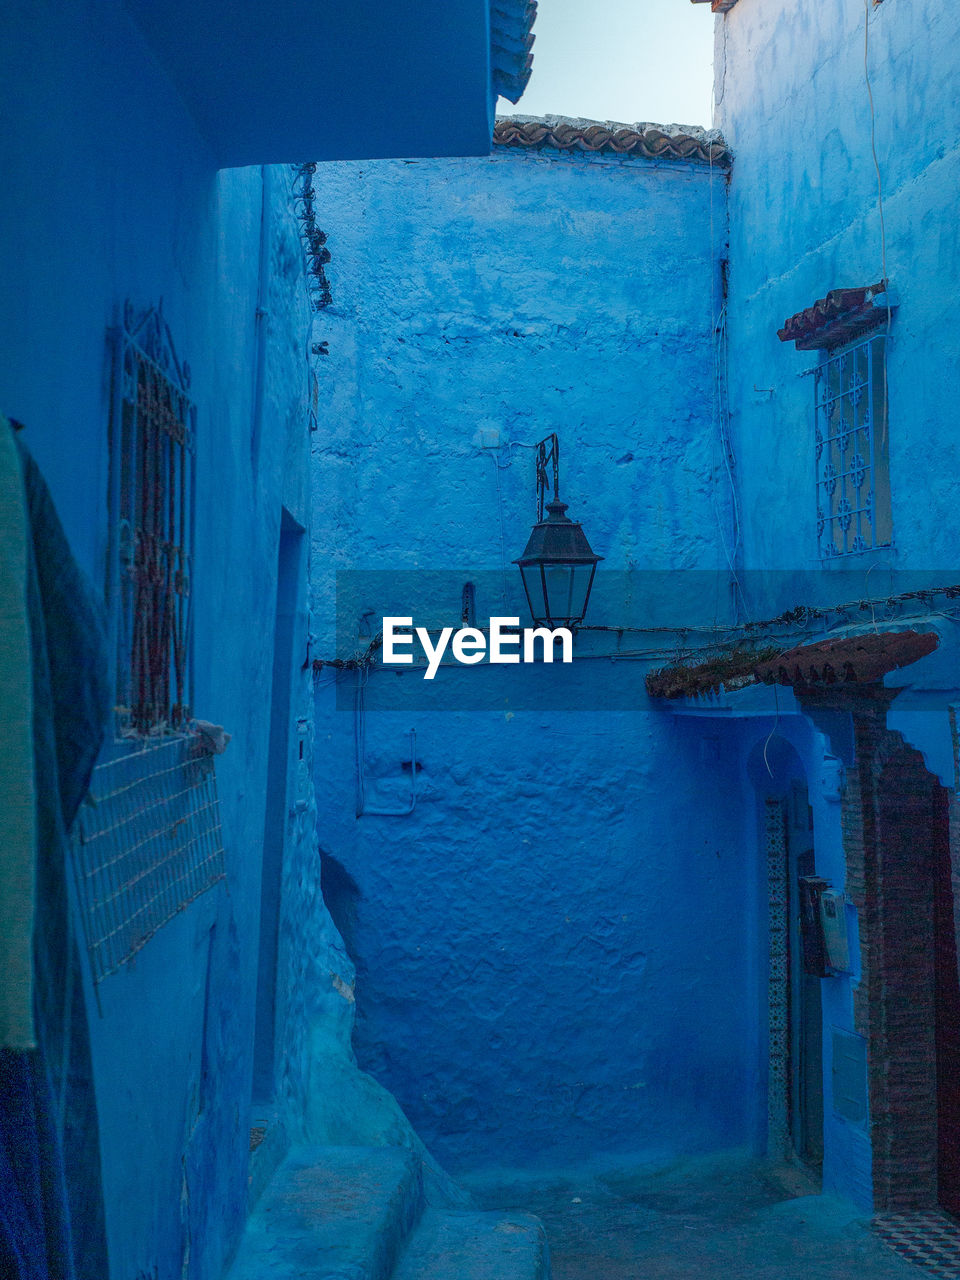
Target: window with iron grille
[
  {"x": 853, "y": 471},
  {"x": 152, "y": 494}
]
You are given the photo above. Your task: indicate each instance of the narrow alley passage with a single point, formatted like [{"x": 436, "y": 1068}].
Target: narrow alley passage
[{"x": 712, "y": 1218}]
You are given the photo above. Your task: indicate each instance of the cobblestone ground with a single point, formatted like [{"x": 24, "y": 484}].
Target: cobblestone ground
[{"x": 700, "y": 1220}]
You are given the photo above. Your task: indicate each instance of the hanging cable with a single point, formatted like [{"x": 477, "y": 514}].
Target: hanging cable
[{"x": 883, "y": 229}]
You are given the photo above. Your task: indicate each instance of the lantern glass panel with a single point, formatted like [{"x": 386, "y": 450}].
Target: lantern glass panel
[
  {"x": 533, "y": 587},
  {"x": 559, "y": 594}
]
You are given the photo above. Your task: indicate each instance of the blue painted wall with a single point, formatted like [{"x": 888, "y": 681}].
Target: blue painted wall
[
  {"x": 551, "y": 950},
  {"x": 110, "y": 194},
  {"x": 793, "y": 102}
]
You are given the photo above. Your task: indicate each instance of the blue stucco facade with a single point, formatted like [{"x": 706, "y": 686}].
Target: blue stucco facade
[
  {"x": 793, "y": 86},
  {"x": 793, "y": 102},
  {"x": 519, "y": 916},
  {"x": 454, "y": 346},
  {"x": 544, "y": 970},
  {"x": 112, "y": 194}
]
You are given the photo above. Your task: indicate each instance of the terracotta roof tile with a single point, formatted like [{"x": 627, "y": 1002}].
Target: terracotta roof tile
[
  {"x": 730, "y": 671},
  {"x": 852, "y": 660},
  {"x": 840, "y": 317},
  {"x": 652, "y": 141}
]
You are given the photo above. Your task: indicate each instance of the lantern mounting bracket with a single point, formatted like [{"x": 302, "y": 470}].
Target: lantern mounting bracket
[{"x": 548, "y": 453}]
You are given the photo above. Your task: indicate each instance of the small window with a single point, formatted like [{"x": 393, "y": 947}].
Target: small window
[
  {"x": 852, "y": 448},
  {"x": 152, "y": 494}
]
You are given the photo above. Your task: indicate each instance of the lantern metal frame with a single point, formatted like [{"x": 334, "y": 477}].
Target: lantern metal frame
[{"x": 555, "y": 542}]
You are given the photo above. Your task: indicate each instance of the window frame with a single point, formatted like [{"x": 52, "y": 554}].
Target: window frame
[
  {"x": 152, "y": 490},
  {"x": 864, "y": 524}
]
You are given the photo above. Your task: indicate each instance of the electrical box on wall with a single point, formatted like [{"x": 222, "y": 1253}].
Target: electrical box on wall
[
  {"x": 303, "y": 768},
  {"x": 833, "y": 919},
  {"x": 823, "y": 928}
]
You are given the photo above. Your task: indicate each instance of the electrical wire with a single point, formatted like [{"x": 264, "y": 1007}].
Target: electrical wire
[
  {"x": 776, "y": 725},
  {"x": 883, "y": 229},
  {"x": 503, "y": 548}
]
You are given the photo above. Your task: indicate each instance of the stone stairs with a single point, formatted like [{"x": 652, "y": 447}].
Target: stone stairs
[{"x": 359, "y": 1213}]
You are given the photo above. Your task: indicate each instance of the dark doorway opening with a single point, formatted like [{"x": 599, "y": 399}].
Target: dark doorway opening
[
  {"x": 805, "y": 1010},
  {"x": 281, "y": 769},
  {"x": 795, "y": 1087}
]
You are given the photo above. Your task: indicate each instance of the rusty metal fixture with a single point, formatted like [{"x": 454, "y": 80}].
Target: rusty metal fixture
[{"x": 848, "y": 661}]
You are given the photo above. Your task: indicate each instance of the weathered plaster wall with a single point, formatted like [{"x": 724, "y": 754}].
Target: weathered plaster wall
[
  {"x": 521, "y": 294},
  {"x": 110, "y": 195},
  {"x": 550, "y": 950},
  {"x": 793, "y": 103}
]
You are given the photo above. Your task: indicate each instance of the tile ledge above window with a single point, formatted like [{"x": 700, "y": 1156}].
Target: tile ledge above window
[
  {"x": 717, "y": 6},
  {"x": 842, "y": 316}
]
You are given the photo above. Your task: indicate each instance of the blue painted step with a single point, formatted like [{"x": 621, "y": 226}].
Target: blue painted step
[
  {"x": 454, "y": 1244},
  {"x": 333, "y": 1213}
]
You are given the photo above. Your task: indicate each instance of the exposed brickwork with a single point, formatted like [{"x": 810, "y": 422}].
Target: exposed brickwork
[
  {"x": 893, "y": 816},
  {"x": 903, "y": 1065},
  {"x": 947, "y": 896}
]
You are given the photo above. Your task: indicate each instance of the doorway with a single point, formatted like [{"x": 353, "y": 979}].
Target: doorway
[
  {"x": 794, "y": 1013},
  {"x": 280, "y": 769},
  {"x": 804, "y": 1007}
]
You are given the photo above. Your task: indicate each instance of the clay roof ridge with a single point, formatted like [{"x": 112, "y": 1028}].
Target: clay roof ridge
[{"x": 642, "y": 138}]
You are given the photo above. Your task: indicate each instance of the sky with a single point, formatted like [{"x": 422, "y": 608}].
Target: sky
[{"x": 624, "y": 60}]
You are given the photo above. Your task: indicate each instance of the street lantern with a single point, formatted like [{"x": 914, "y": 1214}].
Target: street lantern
[{"x": 557, "y": 565}]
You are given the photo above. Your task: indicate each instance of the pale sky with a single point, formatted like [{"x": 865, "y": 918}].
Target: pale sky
[{"x": 622, "y": 60}]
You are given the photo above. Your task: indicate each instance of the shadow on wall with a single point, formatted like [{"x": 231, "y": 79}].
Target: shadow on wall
[{"x": 341, "y": 893}]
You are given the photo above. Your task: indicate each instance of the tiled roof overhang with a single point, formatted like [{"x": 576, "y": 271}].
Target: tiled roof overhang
[
  {"x": 718, "y": 6},
  {"x": 837, "y": 664},
  {"x": 844, "y": 314},
  {"x": 852, "y": 660},
  {"x": 651, "y": 141},
  {"x": 511, "y": 42}
]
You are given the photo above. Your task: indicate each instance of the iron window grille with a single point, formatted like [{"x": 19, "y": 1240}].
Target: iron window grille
[
  {"x": 153, "y": 429},
  {"x": 852, "y": 450}
]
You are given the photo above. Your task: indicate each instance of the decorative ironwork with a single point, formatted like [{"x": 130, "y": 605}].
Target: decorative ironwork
[
  {"x": 153, "y": 431},
  {"x": 548, "y": 455},
  {"x": 315, "y": 240},
  {"x": 146, "y": 842},
  {"x": 853, "y": 482}
]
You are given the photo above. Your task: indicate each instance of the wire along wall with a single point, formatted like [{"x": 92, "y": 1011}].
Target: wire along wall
[{"x": 147, "y": 841}]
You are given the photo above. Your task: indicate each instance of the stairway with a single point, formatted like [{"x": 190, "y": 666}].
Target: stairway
[{"x": 358, "y": 1213}]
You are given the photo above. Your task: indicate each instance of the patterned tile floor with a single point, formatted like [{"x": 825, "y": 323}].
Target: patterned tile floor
[{"x": 928, "y": 1240}]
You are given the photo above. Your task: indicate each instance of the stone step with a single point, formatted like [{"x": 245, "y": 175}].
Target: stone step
[
  {"x": 333, "y": 1213},
  {"x": 455, "y": 1244}
]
